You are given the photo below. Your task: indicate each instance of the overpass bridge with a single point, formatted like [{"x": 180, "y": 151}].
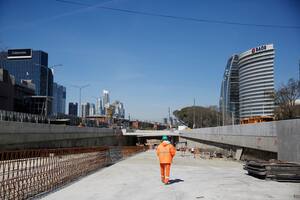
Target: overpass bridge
[
  {"x": 152, "y": 137},
  {"x": 150, "y": 133}
]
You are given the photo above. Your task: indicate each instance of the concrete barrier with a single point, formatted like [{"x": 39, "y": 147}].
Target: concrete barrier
[
  {"x": 288, "y": 134},
  {"x": 23, "y": 135},
  {"x": 282, "y": 137}
]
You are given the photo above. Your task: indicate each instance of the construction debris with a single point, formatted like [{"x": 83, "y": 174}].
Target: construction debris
[{"x": 274, "y": 170}]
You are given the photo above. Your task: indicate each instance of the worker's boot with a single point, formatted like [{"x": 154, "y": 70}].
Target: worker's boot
[{"x": 166, "y": 181}]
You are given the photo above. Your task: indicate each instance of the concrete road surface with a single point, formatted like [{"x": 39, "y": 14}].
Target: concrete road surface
[{"x": 138, "y": 177}]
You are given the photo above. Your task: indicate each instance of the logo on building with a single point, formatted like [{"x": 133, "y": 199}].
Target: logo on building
[
  {"x": 258, "y": 49},
  {"x": 19, "y": 53}
]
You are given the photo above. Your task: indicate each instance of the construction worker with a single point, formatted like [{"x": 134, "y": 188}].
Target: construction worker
[{"x": 165, "y": 152}]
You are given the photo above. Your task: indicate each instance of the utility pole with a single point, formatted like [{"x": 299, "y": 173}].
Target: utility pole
[
  {"x": 299, "y": 72},
  {"x": 223, "y": 104},
  {"x": 169, "y": 111},
  {"x": 194, "y": 115}
]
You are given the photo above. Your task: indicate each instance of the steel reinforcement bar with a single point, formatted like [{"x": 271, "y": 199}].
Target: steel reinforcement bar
[{"x": 27, "y": 173}]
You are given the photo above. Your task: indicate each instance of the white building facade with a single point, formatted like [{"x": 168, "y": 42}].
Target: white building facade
[{"x": 256, "y": 81}]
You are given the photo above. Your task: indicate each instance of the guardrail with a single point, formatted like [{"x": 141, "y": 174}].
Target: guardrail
[
  {"x": 27, "y": 173},
  {"x": 22, "y": 117}
]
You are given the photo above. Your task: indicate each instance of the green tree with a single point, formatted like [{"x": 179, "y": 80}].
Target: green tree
[{"x": 204, "y": 116}]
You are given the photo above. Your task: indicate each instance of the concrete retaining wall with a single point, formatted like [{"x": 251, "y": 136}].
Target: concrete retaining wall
[
  {"x": 17, "y": 135},
  {"x": 288, "y": 133},
  {"x": 282, "y": 137}
]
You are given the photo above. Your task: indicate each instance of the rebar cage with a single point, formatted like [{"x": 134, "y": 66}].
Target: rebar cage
[{"x": 27, "y": 173}]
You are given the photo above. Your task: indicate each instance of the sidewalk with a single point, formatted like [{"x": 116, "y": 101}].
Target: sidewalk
[{"x": 138, "y": 177}]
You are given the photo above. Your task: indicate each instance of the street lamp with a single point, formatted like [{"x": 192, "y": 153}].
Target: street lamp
[{"x": 80, "y": 87}]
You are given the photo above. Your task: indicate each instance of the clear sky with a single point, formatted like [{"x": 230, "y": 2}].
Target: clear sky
[{"x": 150, "y": 63}]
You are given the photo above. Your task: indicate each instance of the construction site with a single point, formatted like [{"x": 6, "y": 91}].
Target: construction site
[
  {"x": 249, "y": 161},
  {"x": 137, "y": 177}
]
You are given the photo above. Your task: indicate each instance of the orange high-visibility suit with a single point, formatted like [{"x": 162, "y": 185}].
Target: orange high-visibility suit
[{"x": 165, "y": 152}]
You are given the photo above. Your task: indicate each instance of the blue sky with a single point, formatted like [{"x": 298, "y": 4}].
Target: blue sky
[{"x": 150, "y": 63}]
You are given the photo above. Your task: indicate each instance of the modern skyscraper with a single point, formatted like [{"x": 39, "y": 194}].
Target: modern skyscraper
[
  {"x": 99, "y": 107},
  {"x": 59, "y": 99},
  {"x": 28, "y": 64},
  {"x": 119, "y": 110},
  {"x": 106, "y": 100},
  {"x": 229, "y": 100},
  {"x": 256, "y": 73},
  {"x": 247, "y": 85},
  {"x": 92, "y": 110},
  {"x": 62, "y": 97},
  {"x": 85, "y": 110},
  {"x": 73, "y": 109}
]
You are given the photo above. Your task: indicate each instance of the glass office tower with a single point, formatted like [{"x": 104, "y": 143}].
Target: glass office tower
[
  {"x": 59, "y": 99},
  {"x": 229, "y": 99},
  {"x": 29, "y": 65}
]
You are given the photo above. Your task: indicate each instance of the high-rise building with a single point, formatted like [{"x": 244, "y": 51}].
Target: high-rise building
[
  {"x": 256, "y": 84},
  {"x": 247, "y": 85},
  {"x": 59, "y": 99},
  {"x": 73, "y": 109},
  {"x": 119, "y": 110},
  {"x": 99, "y": 107},
  {"x": 85, "y": 110},
  {"x": 92, "y": 110},
  {"x": 106, "y": 100},
  {"x": 229, "y": 99},
  {"x": 28, "y": 64}
]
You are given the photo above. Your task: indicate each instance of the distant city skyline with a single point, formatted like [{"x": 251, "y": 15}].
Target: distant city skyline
[
  {"x": 100, "y": 105},
  {"x": 151, "y": 63}
]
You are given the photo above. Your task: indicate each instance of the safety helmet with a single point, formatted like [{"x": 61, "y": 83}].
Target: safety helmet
[{"x": 164, "y": 138}]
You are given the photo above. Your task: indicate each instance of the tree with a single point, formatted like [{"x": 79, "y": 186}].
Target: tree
[
  {"x": 204, "y": 116},
  {"x": 285, "y": 99}
]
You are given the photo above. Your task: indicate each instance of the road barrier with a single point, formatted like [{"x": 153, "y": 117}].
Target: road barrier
[{"x": 27, "y": 173}]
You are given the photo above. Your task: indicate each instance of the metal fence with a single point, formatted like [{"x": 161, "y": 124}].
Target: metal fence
[
  {"x": 27, "y": 173},
  {"x": 22, "y": 117}
]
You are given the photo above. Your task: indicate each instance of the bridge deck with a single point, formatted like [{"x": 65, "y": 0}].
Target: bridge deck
[{"x": 138, "y": 178}]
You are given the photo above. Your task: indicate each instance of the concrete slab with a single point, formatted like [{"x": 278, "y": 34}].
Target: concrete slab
[{"x": 138, "y": 178}]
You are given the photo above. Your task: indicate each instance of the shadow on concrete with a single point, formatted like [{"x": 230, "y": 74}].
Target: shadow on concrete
[{"x": 172, "y": 181}]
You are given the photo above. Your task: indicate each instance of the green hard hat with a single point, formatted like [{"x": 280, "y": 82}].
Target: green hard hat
[{"x": 164, "y": 138}]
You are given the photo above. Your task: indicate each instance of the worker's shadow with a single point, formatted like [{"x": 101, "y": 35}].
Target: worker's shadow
[{"x": 172, "y": 181}]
